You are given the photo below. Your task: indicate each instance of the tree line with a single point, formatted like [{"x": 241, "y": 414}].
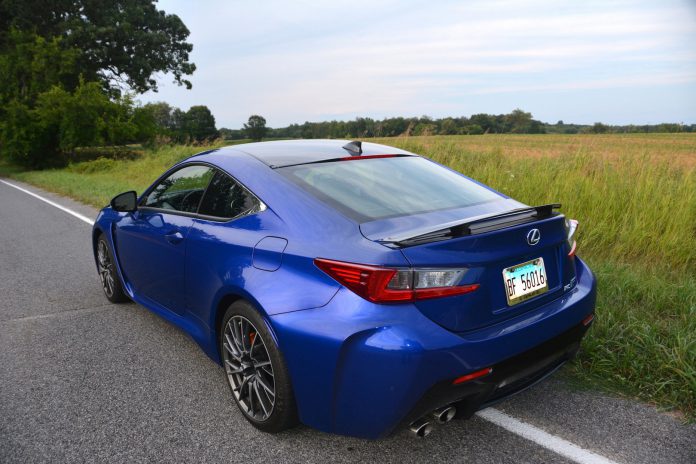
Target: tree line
[
  {"x": 70, "y": 74},
  {"x": 173, "y": 124},
  {"x": 516, "y": 122},
  {"x": 600, "y": 128}
]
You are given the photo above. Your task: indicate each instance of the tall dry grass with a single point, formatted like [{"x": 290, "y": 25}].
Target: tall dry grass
[{"x": 635, "y": 198}]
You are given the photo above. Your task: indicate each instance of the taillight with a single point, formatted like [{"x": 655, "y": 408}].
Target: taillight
[
  {"x": 571, "y": 226},
  {"x": 394, "y": 285}
]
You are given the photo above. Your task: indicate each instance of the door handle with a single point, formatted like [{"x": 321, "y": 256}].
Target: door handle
[{"x": 174, "y": 237}]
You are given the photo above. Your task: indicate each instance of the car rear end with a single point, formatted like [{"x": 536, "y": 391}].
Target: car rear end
[{"x": 490, "y": 298}]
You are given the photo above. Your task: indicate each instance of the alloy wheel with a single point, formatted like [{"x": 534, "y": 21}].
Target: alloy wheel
[
  {"x": 248, "y": 367},
  {"x": 106, "y": 269}
]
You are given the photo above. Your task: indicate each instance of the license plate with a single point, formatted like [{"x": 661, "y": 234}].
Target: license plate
[{"x": 525, "y": 281}]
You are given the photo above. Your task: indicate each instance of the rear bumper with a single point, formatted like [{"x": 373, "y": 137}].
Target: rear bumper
[
  {"x": 507, "y": 378},
  {"x": 362, "y": 369}
]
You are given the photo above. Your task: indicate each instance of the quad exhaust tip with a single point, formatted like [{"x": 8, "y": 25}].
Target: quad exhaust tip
[
  {"x": 444, "y": 415},
  {"x": 421, "y": 428}
]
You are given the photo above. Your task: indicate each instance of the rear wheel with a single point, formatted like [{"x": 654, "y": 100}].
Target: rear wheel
[
  {"x": 255, "y": 370},
  {"x": 111, "y": 284}
]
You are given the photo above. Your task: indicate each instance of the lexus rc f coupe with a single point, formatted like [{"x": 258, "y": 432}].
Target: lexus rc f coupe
[{"x": 354, "y": 287}]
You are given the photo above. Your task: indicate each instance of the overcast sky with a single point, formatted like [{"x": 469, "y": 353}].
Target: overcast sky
[{"x": 579, "y": 61}]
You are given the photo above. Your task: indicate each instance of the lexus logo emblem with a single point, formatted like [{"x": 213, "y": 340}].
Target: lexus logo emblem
[{"x": 533, "y": 236}]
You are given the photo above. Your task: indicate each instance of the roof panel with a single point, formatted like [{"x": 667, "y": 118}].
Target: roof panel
[{"x": 288, "y": 152}]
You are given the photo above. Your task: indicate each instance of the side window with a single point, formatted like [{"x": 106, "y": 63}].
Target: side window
[
  {"x": 225, "y": 198},
  {"x": 182, "y": 190}
]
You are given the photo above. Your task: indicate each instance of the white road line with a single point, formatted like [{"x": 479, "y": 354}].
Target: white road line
[
  {"x": 541, "y": 438},
  {"x": 499, "y": 418},
  {"x": 52, "y": 203},
  {"x": 66, "y": 313}
]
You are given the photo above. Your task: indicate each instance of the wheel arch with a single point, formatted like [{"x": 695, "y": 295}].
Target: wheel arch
[
  {"x": 224, "y": 301},
  {"x": 222, "y": 306}
]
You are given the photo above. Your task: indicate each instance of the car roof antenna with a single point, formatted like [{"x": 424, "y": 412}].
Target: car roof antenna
[{"x": 354, "y": 147}]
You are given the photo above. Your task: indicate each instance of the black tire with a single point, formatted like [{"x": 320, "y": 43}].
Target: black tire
[
  {"x": 248, "y": 373},
  {"x": 108, "y": 275}
]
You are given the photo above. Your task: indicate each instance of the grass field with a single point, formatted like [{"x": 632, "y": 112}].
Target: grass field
[{"x": 635, "y": 198}]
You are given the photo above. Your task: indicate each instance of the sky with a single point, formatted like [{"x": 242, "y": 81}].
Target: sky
[{"x": 617, "y": 62}]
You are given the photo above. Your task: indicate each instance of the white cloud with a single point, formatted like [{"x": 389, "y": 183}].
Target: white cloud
[
  {"x": 296, "y": 61},
  {"x": 608, "y": 83}
]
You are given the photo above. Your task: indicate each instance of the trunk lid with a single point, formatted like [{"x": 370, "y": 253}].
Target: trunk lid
[{"x": 486, "y": 250}]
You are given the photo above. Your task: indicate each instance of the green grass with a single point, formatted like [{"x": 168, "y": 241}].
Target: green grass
[
  {"x": 95, "y": 182},
  {"x": 635, "y": 198},
  {"x": 644, "y": 340}
]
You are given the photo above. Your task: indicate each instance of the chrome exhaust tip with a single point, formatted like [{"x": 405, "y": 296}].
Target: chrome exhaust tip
[
  {"x": 421, "y": 428},
  {"x": 444, "y": 415}
]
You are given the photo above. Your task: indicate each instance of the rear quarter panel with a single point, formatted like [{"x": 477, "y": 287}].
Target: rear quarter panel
[{"x": 220, "y": 256}]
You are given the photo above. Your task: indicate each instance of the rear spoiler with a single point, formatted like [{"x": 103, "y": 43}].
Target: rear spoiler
[{"x": 475, "y": 225}]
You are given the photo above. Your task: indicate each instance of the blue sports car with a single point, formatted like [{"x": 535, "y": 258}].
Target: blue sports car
[{"x": 354, "y": 287}]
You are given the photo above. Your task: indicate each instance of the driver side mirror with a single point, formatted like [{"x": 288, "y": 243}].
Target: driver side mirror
[{"x": 125, "y": 202}]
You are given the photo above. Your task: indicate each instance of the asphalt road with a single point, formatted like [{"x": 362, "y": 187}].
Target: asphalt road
[{"x": 82, "y": 380}]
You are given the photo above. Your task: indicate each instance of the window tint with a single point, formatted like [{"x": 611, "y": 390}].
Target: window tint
[
  {"x": 182, "y": 190},
  {"x": 225, "y": 198},
  {"x": 371, "y": 189}
]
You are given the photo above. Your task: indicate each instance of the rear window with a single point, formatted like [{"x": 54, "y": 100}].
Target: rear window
[{"x": 380, "y": 188}]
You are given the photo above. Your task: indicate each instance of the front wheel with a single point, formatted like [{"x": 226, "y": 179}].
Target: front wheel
[
  {"x": 111, "y": 284},
  {"x": 255, "y": 370}
]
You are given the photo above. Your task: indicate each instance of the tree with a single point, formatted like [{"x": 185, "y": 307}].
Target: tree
[
  {"x": 178, "y": 126},
  {"x": 162, "y": 113},
  {"x": 448, "y": 127},
  {"x": 231, "y": 134},
  {"x": 64, "y": 65},
  {"x": 120, "y": 42},
  {"x": 145, "y": 124},
  {"x": 31, "y": 65},
  {"x": 423, "y": 128},
  {"x": 255, "y": 128},
  {"x": 536, "y": 127},
  {"x": 599, "y": 128},
  {"x": 486, "y": 122},
  {"x": 519, "y": 122},
  {"x": 473, "y": 129},
  {"x": 199, "y": 123},
  {"x": 62, "y": 120}
]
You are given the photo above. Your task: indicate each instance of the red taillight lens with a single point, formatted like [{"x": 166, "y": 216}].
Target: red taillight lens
[
  {"x": 571, "y": 228},
  {"x": 389, "y": 285},
  {"x": 370, "y": 282},
  {"x": 472, "y": 376},
  {"x": 573, "y": 247},
  {"x": 437, "y": 292}
]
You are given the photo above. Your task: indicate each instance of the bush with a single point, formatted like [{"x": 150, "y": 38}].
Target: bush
[
  {"x": 90, "y": 167},
  {"x": 22, "y": 139},
  {"x": 62, "y": 121},
  {"x": 81, "y": 154}
]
